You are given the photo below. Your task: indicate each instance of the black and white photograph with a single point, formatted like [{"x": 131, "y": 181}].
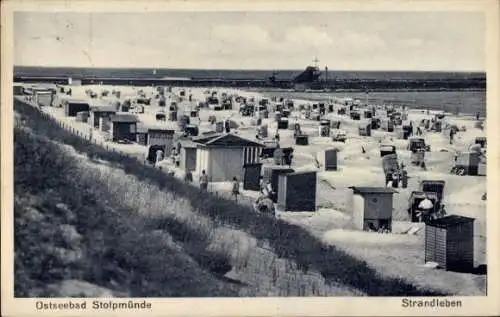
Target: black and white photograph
[{"x": 242, "y": 153}]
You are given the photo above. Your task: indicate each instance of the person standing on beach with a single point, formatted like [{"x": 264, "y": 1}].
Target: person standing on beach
[
  {"x": 236, "y": 189},
  {"x": 452, "y": 134},
  {"x": 159, "y": 156},
  {"x": 395, "y": 180},
  {"x": 203, "y": 181},
  {"x": 403, "y": 177},
  {"x": 425, "y": 209}
]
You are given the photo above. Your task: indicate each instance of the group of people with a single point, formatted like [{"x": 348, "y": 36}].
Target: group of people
[{"x": 203, "y": 180}]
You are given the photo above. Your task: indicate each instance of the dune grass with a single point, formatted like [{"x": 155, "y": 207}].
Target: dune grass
[
  {"x": 116, "y": 249},
  {"x": 286, "y": 240}
]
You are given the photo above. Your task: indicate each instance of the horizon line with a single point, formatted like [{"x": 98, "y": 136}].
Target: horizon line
[{"x": 255, "y": 69}]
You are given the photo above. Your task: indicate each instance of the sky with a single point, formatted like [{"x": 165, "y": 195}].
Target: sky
[{"x": 427, "y": 41}]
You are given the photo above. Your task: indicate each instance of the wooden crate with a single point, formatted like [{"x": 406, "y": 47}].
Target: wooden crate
[
  {"x": 449, "y": 241},
  {"x": 297, "y": 191}
]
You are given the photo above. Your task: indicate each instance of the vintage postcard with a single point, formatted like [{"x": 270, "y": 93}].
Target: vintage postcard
[{"x": 250, "y": 158}]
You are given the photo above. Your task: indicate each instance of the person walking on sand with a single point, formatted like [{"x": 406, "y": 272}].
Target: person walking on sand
[
  {"x": 452, "y": 134},
  {"x": 203, "y": 181},
  {"x": 236, "y": 189},
  {"x": 404, "y": 177},
  {"x": 395, "y": 180}
]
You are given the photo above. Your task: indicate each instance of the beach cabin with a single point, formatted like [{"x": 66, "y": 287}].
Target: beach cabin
[
  {"x": 82, "y": 116},
  {"x": 302, "y": 139},
  {"x": 283, "y": 156},
  {"x": 297, "y": 191},
  {"x": 123, "y": 127},
  {"x": 43, "y": 97},
  {"x": 328, "y": 159},
  {"x": 375, "y": 122},
  {"x": 324, "y": 131},
  {"x": 251, "y": 178},
  {"x": 183, "y": 121},
  {"x": 172, "y": 115},
  {"x": 372, "y": 208},
  {"x": 96, "y": 113},
  {"x": 271, "y": 174},
  {"x": 380, "y": 113},
  {"x": 160, "y": 136},
  {"x": 18, "y": 90},
  {"x": 141, "y": 135},
  {"x": 355, "y": 115},
  {"x": 387, "y": 149},
  {"x": 365, "y": 128},
  {"x": 481, "y": 141},
  {"x": 407, "y": 131},
  {"x": 467, "y": 163},
  {"x": 187, "y": 155},
  {"x": 73, "y": 106},
  {"x": 192, "y": 130},
  {"x": 285, "y": 113},
  {"x": 219, "y": 127},
  {"x": 283, "y": 123},
  {"x": 386, "y": 125},
  {"x": 449, "y": 242},
  {"x": 335, "y": 124},
  {"x": 223, "y": 156}
]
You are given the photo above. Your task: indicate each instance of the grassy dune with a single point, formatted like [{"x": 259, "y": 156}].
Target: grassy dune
[{"x": 143, "y": 233}]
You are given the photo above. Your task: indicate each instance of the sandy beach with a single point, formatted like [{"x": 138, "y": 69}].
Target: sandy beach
[{"x": 394, "y": 254}]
